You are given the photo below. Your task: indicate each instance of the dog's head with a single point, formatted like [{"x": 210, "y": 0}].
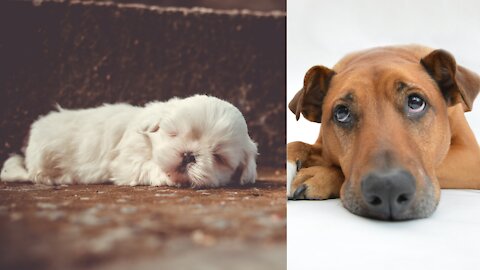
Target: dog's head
[
  {"x": 200, "y": 141},
  {"x": 385, "y": 123}
]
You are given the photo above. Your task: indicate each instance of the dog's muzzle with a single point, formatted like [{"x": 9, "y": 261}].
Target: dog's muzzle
[
  {"x": 388, "y": 194},
  {"x": 187, "y": 158}
]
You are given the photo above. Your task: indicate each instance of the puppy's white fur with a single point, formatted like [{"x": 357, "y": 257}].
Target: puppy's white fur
[
  {"x": 291, "y": 173},
  {"x": 131, "y": 145}
]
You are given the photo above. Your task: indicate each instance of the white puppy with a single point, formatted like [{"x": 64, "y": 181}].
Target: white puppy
[{"x": 199, "y": 141}]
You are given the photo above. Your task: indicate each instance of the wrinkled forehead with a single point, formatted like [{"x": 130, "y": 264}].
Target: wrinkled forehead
[
  {"x": 383, "y": 55},
  {"x": 380, "y": 79}
]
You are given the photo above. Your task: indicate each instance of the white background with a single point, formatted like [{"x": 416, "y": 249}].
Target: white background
[{"x": 323, "y": 235}]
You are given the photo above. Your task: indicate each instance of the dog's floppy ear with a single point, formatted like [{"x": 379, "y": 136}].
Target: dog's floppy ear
[
  {"x": 309, "y": 100},
  {"x": 150, "y": 117},
  {"x": 458, "y": 84},
  {"x": 247, "y": 170},
  {"x": 149, "y": 125},
  {"x": 149, "y": 128}
]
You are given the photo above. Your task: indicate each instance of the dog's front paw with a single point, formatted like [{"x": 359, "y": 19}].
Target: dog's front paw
[
  {"x": 163, "y": 180},
  {"x": 158, "y": 178},
  {"x": 317, "y": 183}
]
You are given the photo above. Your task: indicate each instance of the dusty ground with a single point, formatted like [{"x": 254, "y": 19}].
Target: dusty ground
[{"x": 111, "y": 227}]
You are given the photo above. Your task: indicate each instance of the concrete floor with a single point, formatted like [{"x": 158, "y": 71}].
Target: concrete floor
[{"x": 116, "y": 227}]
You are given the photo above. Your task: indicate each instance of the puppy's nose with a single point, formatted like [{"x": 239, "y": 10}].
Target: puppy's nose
[
  {"x": 388, "y": 194},
  {"x": 188, "y": 157}
]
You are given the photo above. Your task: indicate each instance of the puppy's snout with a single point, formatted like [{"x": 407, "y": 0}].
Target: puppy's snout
[
  {"x": 388, "y": 194},
  {"x": 188, "y": 157}
]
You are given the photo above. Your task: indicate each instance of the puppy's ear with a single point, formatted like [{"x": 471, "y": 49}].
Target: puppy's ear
[
  {"x": 309, "y": 100},
  {"x": 458, "y": 84},
  {"x": 150, "y": 118},
  {"x": 248, "y": 167},
  {"x": 148, "y": 126}
]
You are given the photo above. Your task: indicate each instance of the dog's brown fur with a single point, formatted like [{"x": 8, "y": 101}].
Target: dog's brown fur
[{"x": 439, "y": 149}]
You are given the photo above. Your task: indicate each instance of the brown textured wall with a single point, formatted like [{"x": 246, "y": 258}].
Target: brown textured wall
[
  {"x": 81, "y": 54},
  {"x": 262, "y": 5}
]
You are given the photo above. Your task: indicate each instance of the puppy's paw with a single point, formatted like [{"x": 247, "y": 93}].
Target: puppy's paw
[
  {"x": 162, "y": 179},
  {"x": 14, "y": 169},
  {"x": 317, "y": 183},
  {"x": 133, "y": 183}
]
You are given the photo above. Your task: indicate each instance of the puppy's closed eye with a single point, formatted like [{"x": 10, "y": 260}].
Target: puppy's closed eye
[{"x": 221, "y": 160}]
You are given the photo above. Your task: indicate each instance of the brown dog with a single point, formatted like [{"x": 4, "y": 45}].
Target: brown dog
[{"x": 393, "y": 132}]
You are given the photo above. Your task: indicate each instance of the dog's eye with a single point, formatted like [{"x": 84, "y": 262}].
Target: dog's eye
[
  {"x": 219, "y": 159},
  {"x": 415, "y": 104},
  {"x": 342, "y": 114}
]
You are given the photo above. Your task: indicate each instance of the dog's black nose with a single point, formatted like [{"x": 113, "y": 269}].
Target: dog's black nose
[
  {"x": 188, "y": 157},
  {"x": 388, "y": 194}
]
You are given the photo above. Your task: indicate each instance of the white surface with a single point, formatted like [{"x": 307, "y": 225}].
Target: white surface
[{"x": 323, "y": 235}]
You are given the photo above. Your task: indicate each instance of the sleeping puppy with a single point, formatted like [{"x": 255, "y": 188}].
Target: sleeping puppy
[{"x": 200, "y": 141}]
